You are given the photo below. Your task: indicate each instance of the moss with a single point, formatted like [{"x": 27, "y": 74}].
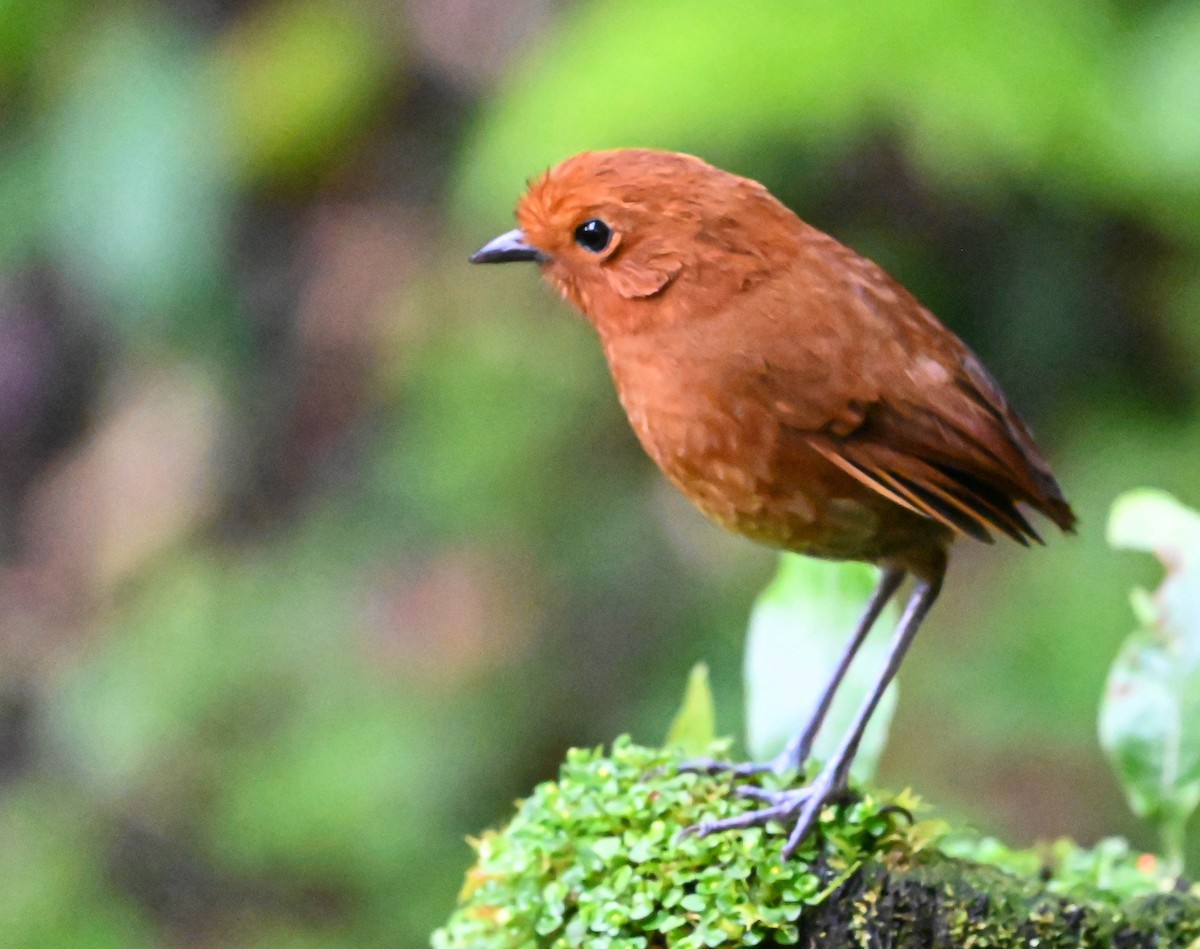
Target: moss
[{"x": 596, "y": 859}]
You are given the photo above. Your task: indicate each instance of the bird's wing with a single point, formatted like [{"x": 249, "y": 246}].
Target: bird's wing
[{"x": 885, "y": 392}]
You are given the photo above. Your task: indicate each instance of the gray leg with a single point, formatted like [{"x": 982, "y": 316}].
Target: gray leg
[
  {"x": 803, "y": 805},
  {"x": 795, "y": 755}
]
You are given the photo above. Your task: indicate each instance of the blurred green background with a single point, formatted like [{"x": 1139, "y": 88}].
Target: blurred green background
[{"x": 320, "y": 547}]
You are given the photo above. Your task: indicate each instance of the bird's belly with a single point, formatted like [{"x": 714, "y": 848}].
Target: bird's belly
[
  {"x": 755, "y": 478},
  {"x": 746, "y": 469}
]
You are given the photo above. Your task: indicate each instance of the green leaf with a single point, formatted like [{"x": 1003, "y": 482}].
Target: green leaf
[
  {"x": 694, "y": 727},
  {"x": 798, "y": 629},
  {"x": 1150, "y": 716}
]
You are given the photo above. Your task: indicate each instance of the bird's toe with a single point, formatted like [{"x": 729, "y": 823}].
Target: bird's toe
[{"x": 798, "y": 807}]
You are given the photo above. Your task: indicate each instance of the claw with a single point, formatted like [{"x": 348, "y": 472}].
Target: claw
[
  {"x": 804, "y": 823},
  {"x": 897, "y": 809},
  {"x": 799, "y": 806}
]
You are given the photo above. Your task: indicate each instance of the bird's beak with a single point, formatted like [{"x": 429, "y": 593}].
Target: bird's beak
[{"x": 507, "y": 248}]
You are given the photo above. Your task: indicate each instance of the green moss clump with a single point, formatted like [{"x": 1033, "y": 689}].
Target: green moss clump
[{"x": 596, "y": 859}]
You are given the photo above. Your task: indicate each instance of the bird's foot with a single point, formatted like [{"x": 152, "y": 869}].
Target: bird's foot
[{"x": 800, "y": 807}]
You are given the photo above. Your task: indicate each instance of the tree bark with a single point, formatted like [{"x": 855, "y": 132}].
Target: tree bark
[{"x": 938, "y": 902}]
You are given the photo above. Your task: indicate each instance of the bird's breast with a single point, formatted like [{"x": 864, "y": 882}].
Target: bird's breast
[
  {"x": 726, "y": 448},
  {"x": 729, "y": 455}
]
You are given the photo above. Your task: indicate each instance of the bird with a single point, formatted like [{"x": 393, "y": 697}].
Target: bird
[{"x": 793, "y": 391}]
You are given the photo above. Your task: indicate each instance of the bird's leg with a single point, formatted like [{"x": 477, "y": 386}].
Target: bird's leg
[
  {"x": 803, "y": 805},
  {"x": 795, "y": 755}
]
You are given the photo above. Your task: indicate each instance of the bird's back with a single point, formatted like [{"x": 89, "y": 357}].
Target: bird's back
[{"x": 823, "y": 409}]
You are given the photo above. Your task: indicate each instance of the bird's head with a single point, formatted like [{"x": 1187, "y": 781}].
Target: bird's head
[{"x": 635, "y": 236}]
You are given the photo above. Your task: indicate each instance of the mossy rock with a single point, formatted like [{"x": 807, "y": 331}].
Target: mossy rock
[{"x": 596, "y": 859}]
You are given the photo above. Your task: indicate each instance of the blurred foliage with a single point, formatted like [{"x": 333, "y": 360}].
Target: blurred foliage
[
  {"x": 318, "y": 547},
  {"x": 201, "y": 717},
  {"x": 1150, "y": 718},
  {"x": 297, "y": 79},
  {"x": 58, "y": 892},
  {"x": 133, "y": 194},
  {"x": 1053, "y": 93},
  {"x": 1110, "y": 871}
]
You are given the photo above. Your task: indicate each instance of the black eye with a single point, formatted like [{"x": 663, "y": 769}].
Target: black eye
[{"x": 593, "y": 234}]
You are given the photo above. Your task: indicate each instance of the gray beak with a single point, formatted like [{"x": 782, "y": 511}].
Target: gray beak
[{"x": 507, "y": 248}]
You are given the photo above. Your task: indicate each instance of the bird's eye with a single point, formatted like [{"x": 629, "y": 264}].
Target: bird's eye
[{"x": 593, "y": 234}]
